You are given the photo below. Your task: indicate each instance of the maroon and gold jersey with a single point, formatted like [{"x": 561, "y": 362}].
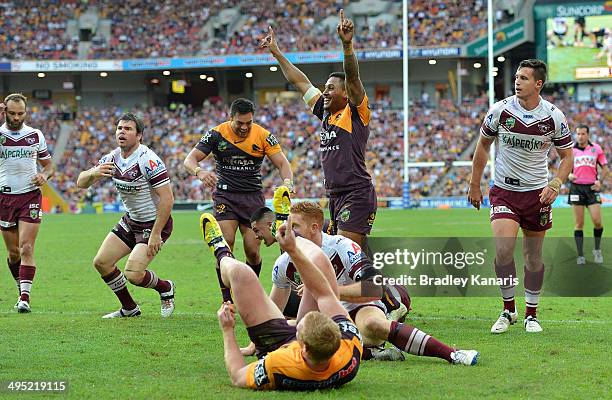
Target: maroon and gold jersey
[
  {"x": 238, "y": 160},
  {"x": 344, "y": 136},
  {"x": 286, "y": 369}
]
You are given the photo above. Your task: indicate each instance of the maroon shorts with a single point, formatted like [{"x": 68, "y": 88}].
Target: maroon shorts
[
  {"x": 353, "y": 312},
  {"x": 522, "y": 207},
  {"x": 353, "y": 211},
  {"x": 271, "y": 335},
  {"x": 133, "y": 232},
  {"x": 15, "y": 207},
  {"x": 237, "y": 206}
]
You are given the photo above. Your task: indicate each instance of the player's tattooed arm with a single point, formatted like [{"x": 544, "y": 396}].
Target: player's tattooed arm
[{"x": 354, "y": 87}]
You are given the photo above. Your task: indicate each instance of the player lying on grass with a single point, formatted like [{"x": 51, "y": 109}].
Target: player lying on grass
[
  {"x": 361, "y": 298},
  {"x": 322, "y": 351},
  {"x": 144, "y": 186}
]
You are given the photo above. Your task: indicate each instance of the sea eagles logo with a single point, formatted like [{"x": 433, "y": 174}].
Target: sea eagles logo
[
  {"x": 30, "y": 140},
  {"x": 510, "y": 122},
  {"x": 146, "y": 233},
  {"x": 543, "y": 128}
]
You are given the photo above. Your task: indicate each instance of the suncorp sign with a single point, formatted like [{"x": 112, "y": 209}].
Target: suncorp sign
[{"x": 579, "y": 10}]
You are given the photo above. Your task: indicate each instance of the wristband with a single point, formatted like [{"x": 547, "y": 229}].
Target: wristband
[
  {"x": 555, "y": 184},
  {"x": 310, "y": 94},
  {"x": 196, "y": 170}
]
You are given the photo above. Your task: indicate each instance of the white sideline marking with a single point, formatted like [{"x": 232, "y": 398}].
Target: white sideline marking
[{"x": 409, "y": 317}]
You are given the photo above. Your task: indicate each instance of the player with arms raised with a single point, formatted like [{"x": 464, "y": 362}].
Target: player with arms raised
[
  {"x": 524, "y": 126},
  {"x": 142, "y": 180},
  {"x": 585, "y": 190},
  {"x": 21, "y": 148},
  {"x": 343, "y": 109}
]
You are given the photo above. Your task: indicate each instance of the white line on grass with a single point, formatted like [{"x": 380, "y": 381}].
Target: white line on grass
[{"x": 410, "y": 317}]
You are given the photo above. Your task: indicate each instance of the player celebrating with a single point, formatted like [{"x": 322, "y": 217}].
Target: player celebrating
[
  {"x": 21, "y": 148},
  {"x": 144, "y": 186},
  {"x": 322, "y": 351},
  {"x": 353, "y": 271},
  {"x": 239, "y": 146},
  {"x": 585, "y": 189},
  {"x": 525, "y": 126},
  {"x": 343, "y": 109}
]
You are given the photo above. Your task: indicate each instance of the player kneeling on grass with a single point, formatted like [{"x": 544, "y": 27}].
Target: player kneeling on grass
[
  {"x": 358, "y": 295},
  {"x": 322, "y": 351},
  {"x": 144, "y": 186}
]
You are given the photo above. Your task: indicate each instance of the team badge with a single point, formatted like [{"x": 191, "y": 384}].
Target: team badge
[
  {"x": 592, "y": 149},
  {"x": 345, "y": 215},
  {"x": 544, "y": 216},
  {"x": 543, "y": 128},
  {"x": 220, "y": 208},
  {"x": 222, "y": 145},
  {"x": 30, "y": 140},
  {"x": 146, "y": 233},
  {"x": 2, "y": 140},
  {"x": 271, "y": 139},
  {"x": 510, "y": 122},
  {"x": 34, "y": 214}
]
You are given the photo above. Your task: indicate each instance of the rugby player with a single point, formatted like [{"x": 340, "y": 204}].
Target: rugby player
[
  {"x": 345, "y": 115},
  {"x": 524, "y": 126},
  {"x": 21, "y": 148},
  {"x": 322, "y": 351},
  {"x": 362, "y": 299},
  {"x": 239, "y": 147},
  {"x": 585, "y": 190},
  {"x": 142, "y": 181}
]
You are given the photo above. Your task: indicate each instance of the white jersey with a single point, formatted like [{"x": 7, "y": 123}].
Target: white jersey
[
  {"x": 135, "y": 178},
  {"x": 346, "y": 257},
  {"x": 19, "y": 152},
  {"x": 523, "y": 142}
]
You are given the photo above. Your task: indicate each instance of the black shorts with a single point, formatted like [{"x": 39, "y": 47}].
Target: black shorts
[
  {"x": 271, "y": 335},
  {"x": 293, "y": 304},
  {"x": 353, "y": 211},
  {"x": 133, "y": 232},
  {"x": 237, "y": 206},
  {"x": 583, "y": 195}
]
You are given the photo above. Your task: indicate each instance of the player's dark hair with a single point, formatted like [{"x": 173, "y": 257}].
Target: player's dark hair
[
  {"x": 242, "y": 106},
  {"x": 339, "y": 75},
  {"x": 260, "y": 214},
  {"x": 538, "y": 66},
  {"x": 16, "y": 97},
  {"x": 583, "y": 126},
  {"x": 131, "y": 117}
]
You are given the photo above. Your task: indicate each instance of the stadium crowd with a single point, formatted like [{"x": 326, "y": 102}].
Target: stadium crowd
[{"x": 37, "y": 30}]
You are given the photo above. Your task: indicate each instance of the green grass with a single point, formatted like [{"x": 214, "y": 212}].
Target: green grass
[
  {"x": 563, "y": 61},
  {"x": 182, "y": 357}
]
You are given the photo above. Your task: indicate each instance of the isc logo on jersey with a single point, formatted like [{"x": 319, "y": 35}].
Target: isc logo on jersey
[{"x": 153, "y": 167}]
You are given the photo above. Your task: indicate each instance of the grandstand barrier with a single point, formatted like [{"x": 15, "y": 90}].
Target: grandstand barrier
[{"x": 448, "y": 202}]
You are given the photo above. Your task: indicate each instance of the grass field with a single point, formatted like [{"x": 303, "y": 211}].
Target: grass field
[
  {"x": 563, "y": 60},
  {"x": 182, "y": 357}
]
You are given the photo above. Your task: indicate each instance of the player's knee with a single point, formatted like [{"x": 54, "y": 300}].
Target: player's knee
[
  {"x": 134, "y": 277},
  {"x": 26, "y": 250},
  {"x": 374, "y": 328},
  {"x": 252, "y": 255},
  {"x": 240, "y": 274},
  {"x": 14, "y": 254}
]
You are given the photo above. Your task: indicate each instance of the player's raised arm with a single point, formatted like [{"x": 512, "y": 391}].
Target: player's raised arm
[
  {"x": 354, "y": 87},
  {"x": 293, "y": 74},
  {"x": 312, "y": 276}
]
